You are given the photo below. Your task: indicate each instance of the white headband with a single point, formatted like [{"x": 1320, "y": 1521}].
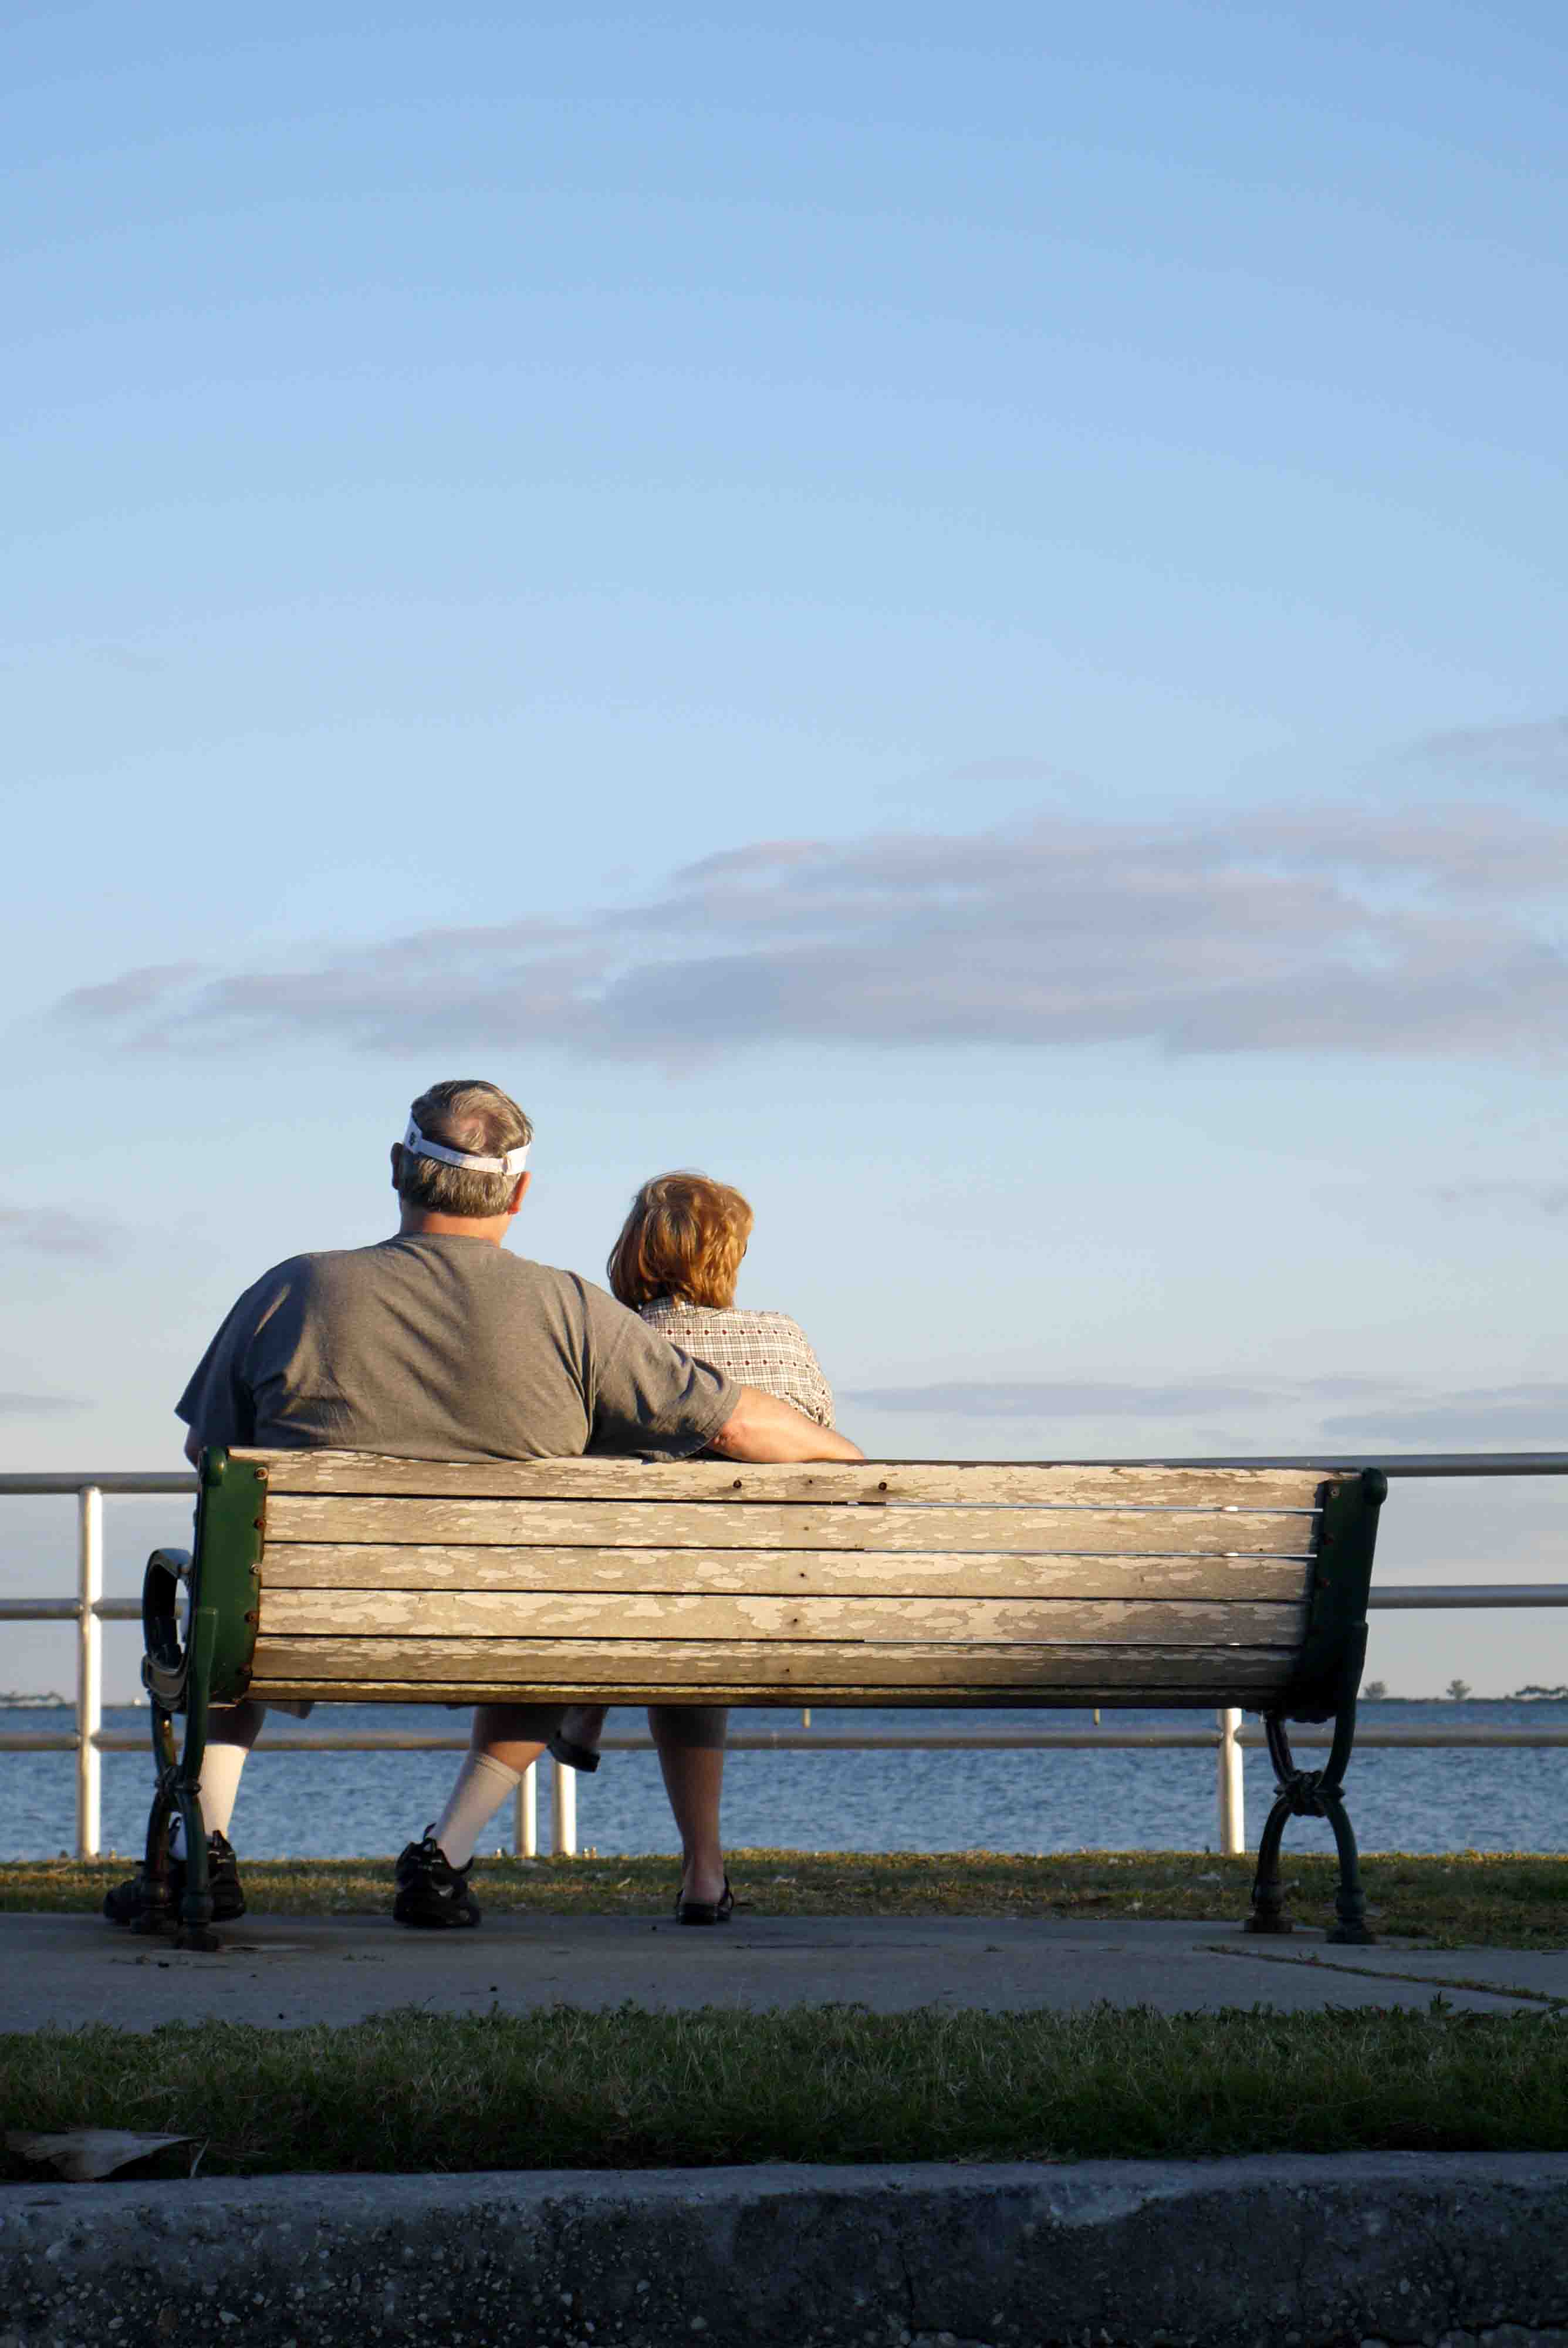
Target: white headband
[{"x": 511, "y": 1165}]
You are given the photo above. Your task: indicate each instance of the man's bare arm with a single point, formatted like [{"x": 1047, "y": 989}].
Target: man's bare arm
[
  {"x": 192, "y": 1446},
  {"x": 761, "y": 1428}
]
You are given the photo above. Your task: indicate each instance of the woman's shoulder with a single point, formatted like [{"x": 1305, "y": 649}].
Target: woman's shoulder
[
  {"x": 721, "y": 1316},
  {"x": 687, "y": 1325},
  {"x": 784, "y": 1325},
  {"x": 778, "y": 1333}
]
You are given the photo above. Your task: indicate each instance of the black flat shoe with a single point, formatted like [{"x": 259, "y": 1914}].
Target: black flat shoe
[
  {"x": 705, "y": 1911},
  {"x": 575, "y": 1756}
]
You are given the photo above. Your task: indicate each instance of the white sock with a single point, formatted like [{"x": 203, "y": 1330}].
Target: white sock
[
  {"x": 482, "y": 1785},
  {"x": 238, "y": 1725},
  {"x": 221, "y": 1769}
]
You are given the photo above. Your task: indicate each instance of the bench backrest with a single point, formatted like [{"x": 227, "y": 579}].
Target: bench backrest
[{"x": 345, "y": 1576}]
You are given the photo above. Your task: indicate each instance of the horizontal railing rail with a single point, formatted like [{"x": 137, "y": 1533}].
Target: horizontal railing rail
[
  {"x": 60, "y": 1483},
  {"x": 64, "y": 1481},
  {"x": 89, "y": 1610},
  {"x": 1050, "y": 1740},
  {"x": 1394, "y": 1596}
]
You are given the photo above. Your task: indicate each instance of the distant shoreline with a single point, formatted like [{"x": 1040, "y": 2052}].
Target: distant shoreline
[{"x": 12, "y": 1700}]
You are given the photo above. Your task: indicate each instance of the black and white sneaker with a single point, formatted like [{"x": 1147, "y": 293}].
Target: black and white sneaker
[
  {"x": 125, "y": 1903},
  {"x": 430, "y": 1889}
]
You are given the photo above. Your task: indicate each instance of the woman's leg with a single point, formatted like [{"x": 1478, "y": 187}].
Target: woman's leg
[{"x": 691, "y": 1742}]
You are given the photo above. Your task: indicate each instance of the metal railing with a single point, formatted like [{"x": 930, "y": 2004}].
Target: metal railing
[{"x": 89, "y": 1610}]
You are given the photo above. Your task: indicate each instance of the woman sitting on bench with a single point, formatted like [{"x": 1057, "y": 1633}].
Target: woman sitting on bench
[{"x": 676, "y": 1263}]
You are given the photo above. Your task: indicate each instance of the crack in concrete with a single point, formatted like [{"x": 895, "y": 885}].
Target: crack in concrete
[{"x": 1386, "y": 1973}]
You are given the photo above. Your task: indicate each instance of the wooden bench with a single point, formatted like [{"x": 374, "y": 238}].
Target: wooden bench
[{"x": 349, "y": 1578}]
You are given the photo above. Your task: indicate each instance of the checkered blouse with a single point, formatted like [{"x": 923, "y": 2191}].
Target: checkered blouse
[{"x": 757, "y": 1349}]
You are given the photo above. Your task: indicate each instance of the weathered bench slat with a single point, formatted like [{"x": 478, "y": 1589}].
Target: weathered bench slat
[
  {"x": 456, "y": 1694},
  {"x": 885, "y": 1621},
  {"x": 718, "y": 1479},
  {"x": 580, "y": 1666},
  {"x": 760, "y": 1572},
  {"x": 1037, "y": 1532}
]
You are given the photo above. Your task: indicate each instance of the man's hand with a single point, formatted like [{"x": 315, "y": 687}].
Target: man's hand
[{"x": 761, "y": 1428}]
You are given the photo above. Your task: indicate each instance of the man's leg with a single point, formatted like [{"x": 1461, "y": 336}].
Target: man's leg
[
  {"x": 691, "y": 1742},
  {"x": 504, "y": 1740},
  {"x": 231, "y": 1732},
  {"x": 576, "y": 1741},
  {"x": 232, "y": 1729},
  {"x": 433, "y": 1874}
]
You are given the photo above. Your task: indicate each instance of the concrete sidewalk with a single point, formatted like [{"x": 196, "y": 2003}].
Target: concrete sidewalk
[{"x": 282, "y": 1972}]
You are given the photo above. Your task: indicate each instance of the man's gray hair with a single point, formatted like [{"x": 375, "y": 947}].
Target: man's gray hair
[{"x": 464, "y": 1114}]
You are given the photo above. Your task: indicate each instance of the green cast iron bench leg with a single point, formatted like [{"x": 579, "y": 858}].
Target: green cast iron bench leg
[
  {"x": 176, "y": 1679},
  {"x": 1310, "y": 1794},
  {"x": 188, "y": 1678},
  {"x": 1329, "y": 1679}
]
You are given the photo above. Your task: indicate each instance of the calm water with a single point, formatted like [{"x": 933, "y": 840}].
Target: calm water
[{"x": 337, "y": 1805}]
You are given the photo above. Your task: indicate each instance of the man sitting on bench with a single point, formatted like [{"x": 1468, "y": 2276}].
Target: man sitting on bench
[{"x": 436, "y": 1343}]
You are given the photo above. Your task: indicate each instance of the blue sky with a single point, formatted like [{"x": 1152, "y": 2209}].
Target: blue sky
[{"x": 960, "y": 622}]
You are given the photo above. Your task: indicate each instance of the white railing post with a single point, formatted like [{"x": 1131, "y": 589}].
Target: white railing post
[
  {"x": 564, "y": 1812},
  {"x": 89, "y": 1669},
  {"x": 1231, "y": 1786},
  {"x": 526, "y": 1835}
]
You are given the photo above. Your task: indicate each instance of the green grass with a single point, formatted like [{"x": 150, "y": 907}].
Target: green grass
[
  {"x": 1515, "y": 1901},
  {"x": 413, "y": 2092}
]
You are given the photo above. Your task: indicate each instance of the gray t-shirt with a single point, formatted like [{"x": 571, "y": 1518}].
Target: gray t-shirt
[{"x": 443, "y": 1348}]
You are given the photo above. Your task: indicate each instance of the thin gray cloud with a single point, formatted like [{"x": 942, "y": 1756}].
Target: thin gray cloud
[
  {"x": 52, "y": 1230},
  {"x": 1529, "y": 1419},
  {"x": 1534, "y": 754},
  {"x": 1362, "y": 1412},
  {"x": 147, "y": 988},
  {"x": 32, "y": 1406},
  {"x": 1045, "y": 1399},
  {"x": 1316, "y": 931},
  {"x": 1513, "y": 1198}
]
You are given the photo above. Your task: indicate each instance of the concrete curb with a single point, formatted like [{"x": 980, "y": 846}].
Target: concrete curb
[{"x": 1300, "y": 2252}]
